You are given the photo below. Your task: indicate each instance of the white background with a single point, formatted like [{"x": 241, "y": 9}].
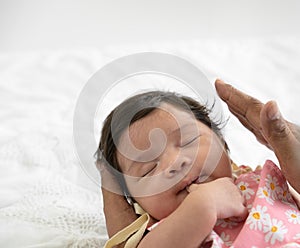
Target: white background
[
  {"x": 61, "y": 24},
  {"x": 49, "y": 50},
  {"x": 61, "y": 43}
]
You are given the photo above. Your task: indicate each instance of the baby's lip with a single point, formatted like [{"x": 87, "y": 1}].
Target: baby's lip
[
  {"x": 203, "y": 179},
  {"x": 187, "y": 182}
]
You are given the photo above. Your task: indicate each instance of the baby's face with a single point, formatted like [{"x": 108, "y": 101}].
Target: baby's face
[{"x": 188, "y": 152}]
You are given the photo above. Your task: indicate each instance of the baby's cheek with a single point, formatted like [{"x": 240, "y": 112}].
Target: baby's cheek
[{"x": 224, "y": 166}]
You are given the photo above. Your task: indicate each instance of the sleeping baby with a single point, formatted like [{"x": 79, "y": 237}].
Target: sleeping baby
[{"x": 173, "y": 165}]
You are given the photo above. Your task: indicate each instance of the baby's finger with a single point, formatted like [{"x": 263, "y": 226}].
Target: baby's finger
[{"x": 244, "y": 214}]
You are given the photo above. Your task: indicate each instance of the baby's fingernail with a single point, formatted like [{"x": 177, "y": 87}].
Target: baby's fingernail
[
  {"x": 188, "y": 189},
  {"x": 274, "y": 113}
]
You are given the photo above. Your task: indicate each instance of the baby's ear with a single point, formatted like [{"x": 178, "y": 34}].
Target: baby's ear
[
  {"x": 108, "y": 179},
  {"x": 99, "y": 165}
]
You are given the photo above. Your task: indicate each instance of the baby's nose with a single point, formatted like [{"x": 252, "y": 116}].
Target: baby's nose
[{"x": 180, "y": 164}]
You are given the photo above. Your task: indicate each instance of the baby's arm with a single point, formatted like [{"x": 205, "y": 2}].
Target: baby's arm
[{"x": 194, "y": 219}]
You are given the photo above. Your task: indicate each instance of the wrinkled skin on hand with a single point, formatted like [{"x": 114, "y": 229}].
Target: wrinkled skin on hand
[{"x": 269, "y": 127}]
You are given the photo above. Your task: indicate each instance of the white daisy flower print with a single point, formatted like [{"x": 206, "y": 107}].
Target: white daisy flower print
[
  {"x": 256, "y": 178},
  {"x": 217, "y": 241},
  {"x": 258, "y": 217},
  {"x": 226, "y": 239},
  {"x": 274, "y": 231},
  {"x": 293, "y": 216},
  {"x": 291, "y": 245},
  {"x": 226, "y": 223},
  {"x": 264, "y": 192},
  {"x": 286, "y": 198},
  {"x": 246, "y": 191},
  {"x": 297, "y": 236},
  {"x": 249, "y": 207},
  {"x": 272, "y": 185},
  {"x": 284, "y": 194}
]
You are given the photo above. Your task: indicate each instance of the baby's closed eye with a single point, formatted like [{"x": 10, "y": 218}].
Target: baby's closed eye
[{"x": 188, "y": 141}]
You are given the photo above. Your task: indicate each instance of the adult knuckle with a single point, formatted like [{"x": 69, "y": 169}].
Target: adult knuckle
[
  {"x": 232, "y": 91},
  {"x": 280, "y": 131}
]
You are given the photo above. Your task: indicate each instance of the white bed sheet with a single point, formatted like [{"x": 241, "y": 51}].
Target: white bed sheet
[{"x": 42, "y": 185}]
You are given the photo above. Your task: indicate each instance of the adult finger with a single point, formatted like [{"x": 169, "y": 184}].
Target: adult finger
[
  {"x": 240, "y": 104},
  {"x": 255, "y": 130},
  {"x": 275, "y": 127},
  {"x": 283, "y": 137}
]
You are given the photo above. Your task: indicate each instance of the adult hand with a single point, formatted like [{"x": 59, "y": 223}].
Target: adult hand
[
  {"x": 118, "y": 213},
  {"x": 270, "y": 128}
]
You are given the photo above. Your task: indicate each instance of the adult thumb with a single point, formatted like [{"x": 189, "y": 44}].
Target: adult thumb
[{"x": 274, "y": 127}]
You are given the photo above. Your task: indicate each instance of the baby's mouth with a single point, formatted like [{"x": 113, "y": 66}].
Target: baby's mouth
[
  {"x": 201, "y": 179},
  {"x": 195, "y": 181},
  {"x": 184, "y": 185},
  {"x": 198, "y": 180}
]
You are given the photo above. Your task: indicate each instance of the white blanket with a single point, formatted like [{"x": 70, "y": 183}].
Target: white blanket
[{"x": 46, "y": 199}]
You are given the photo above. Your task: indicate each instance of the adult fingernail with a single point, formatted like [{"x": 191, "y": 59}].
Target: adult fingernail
[
  {"x": 219, "y": 81},
  {"x": 274, "y": 113},
  {"x": 221, "y": 88}
]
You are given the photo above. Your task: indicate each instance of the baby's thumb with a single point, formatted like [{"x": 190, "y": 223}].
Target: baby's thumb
[
  {"x": 243, "y": 214},
  {"x": 191, "y": 188},
  {"x": 274, "y": 127}
]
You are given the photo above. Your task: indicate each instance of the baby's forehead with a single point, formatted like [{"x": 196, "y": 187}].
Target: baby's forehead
[
  {"x": 165, "y": 116},
  {"x": 170, "y": 120}
]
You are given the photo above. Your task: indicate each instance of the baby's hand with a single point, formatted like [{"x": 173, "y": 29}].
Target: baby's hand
[{"x": 223, "y": 196}]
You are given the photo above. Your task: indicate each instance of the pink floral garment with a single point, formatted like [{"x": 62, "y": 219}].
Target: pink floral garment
[{"x": 274, "y": 217}]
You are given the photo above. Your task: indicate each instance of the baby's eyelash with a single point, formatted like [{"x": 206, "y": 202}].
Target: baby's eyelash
[
  {"x": 148, "y": 172},
  {"x": 190, "y": 141}
]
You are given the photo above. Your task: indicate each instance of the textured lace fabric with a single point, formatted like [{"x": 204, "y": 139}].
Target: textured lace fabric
[
  {"x": 41, "y": 208},
  {"x": 55, "y": 203}
]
